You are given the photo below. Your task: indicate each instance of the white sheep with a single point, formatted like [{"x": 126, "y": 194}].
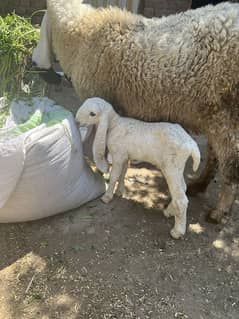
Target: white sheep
[
  {"x": 164, "y": 145},
  {"x": 183, "y": 68}
]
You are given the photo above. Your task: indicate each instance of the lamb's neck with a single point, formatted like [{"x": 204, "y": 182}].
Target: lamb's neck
[{"x": 114, "y": 120}]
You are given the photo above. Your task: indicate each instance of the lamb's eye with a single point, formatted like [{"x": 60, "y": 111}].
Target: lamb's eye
[{"x": 92, "y": 114}]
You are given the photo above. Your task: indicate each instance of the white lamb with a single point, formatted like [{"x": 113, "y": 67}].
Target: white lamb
[{"x": 165, "y": 145}]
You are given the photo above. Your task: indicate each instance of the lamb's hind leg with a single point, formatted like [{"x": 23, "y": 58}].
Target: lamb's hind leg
[{"x": 179, "y": 203}]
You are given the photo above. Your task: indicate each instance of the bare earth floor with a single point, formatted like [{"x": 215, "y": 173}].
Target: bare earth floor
[{"x": 118, "y": 260}]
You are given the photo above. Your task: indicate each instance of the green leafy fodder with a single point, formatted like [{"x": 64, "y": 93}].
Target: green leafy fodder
[{"x": 17, "y": 39}]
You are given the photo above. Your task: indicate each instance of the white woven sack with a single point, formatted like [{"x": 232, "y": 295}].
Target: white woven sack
[{"x": 43, "y": 171}]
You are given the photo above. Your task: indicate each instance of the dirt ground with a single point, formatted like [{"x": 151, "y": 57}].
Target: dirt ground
[{"x": 118, "y": 260}]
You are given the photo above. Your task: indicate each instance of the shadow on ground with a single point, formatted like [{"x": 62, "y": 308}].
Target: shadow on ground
[{"x": 118, "y": 261}]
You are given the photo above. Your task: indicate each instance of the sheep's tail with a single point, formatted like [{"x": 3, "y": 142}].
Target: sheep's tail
[{"x": 196, "y": 156}]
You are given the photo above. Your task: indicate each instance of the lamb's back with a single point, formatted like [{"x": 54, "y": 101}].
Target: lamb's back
[{"x": 145, "y": 141}]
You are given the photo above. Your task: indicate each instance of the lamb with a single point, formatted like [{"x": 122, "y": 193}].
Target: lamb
[
  {"x": 182, "y": 69},
  {"x": 164, "y": 145}
]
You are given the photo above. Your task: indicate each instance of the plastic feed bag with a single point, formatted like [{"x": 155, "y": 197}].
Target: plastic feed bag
[{"x": 42, "y": 167}]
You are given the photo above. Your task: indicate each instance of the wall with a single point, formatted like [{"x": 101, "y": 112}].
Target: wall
[
  {"x": 131, "y": 5},
  {"x": 23, "y": 7},
  {"x": 160, "y": 8},
  {"x": 147, "y": 7}
]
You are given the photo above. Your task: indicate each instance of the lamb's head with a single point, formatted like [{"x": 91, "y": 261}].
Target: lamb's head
[
  {"x": 89, "y": 113},
  {"x": 93, "y": 111},
  {"x": 96, "y": 111}
]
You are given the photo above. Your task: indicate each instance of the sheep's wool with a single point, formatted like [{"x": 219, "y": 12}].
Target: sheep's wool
[
  {"x": 131, "y": 5},
  {"x": 183, "y": 68}
]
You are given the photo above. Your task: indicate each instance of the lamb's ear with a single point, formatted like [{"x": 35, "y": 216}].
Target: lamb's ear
[
  {"x": 88, "y": 142},
  {"x": 99, "y": 145}
]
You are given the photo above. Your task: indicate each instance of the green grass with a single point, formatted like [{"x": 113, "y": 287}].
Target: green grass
[{"x": 17, "y": 39}]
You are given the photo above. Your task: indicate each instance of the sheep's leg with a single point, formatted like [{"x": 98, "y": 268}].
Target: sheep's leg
[
  {"x": 178, "y": 205},
  {"x": 120, "y": 187},
  {"x": 200, "y": 184},
  {"x": 228, "y": 159},
  {"x": 225, "y": 202},
  {"x": 117, "y": 167}
]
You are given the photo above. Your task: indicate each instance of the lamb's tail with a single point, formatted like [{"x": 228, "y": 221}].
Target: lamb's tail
[{"x": 196, "y": 156}]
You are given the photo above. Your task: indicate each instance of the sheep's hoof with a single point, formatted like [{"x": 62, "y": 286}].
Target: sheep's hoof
[
  {"x": 106, "y": 198},
  {"x": 217, "y": 217},
  {"x": 176, "y": 234}
]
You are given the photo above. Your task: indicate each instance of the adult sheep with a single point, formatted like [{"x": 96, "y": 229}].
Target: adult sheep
[{"x": 176, "y": 69}]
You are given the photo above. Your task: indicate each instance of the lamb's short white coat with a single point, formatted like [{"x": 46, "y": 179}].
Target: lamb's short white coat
[{"x": 165, "y": 145}]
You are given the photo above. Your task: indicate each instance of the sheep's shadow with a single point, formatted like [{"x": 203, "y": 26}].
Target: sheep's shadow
[
  {"x": 51, "y": 263},
  {"x": 55, "y": 265}
]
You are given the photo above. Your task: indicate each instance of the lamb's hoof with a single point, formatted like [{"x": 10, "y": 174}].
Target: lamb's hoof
[
  {"x": 176, "y": 234},
  {"x": 103, "y": 166},
  {"x": 104, "y": 169},
  {"x": 217, "y": 217},
  {"x": 106, "y": 198}
]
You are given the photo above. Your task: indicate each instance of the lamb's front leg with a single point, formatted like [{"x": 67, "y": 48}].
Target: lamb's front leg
[
  {"x": 117, "y": 167},
  {"x": 120, "y": 187}
]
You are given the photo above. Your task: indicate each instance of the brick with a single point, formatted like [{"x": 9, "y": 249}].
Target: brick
[
  {"x": 151, "y": 7},
  {"x": 149, "y": 12},
  {"x": 165, "y": 7},
  {"x": 40, "y": 4},
  {"x": 25, "y": 3},
  {"x": 20, "y": 10}
]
